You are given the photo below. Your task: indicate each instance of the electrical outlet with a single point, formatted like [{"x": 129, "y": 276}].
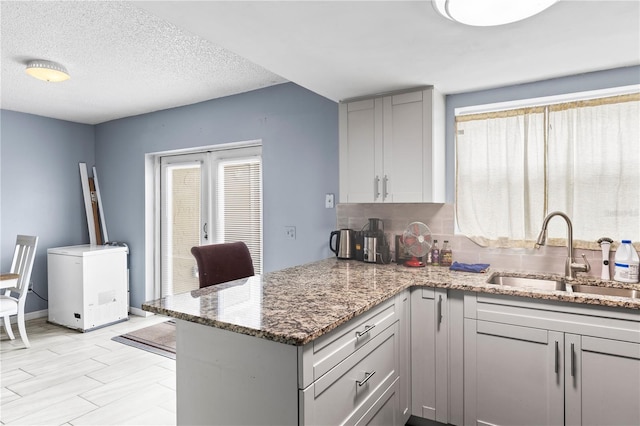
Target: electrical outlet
[
  {"x": 290, "y": 232},
  {"x": 329, "y": 201}
]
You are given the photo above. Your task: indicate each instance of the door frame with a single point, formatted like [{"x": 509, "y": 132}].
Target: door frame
[{"x": 152, "y": 213}]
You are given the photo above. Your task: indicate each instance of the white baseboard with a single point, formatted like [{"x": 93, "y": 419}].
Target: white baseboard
[
  {"x": 31, "y": 315},
  {"x": 139, "y": 312},
  {"x": 45, "y": 313}
]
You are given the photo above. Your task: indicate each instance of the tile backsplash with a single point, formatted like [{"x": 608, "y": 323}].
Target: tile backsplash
[{"x": 439, "y": 217}]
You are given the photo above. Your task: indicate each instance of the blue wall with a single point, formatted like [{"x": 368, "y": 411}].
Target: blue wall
[
  {"x": 299, "y": 133},
  {"x": 40, "y": 188},
  {"x": 557, "y": 86}
]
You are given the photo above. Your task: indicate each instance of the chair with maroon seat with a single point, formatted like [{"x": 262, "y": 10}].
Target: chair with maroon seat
[{"x": 219, "y": 263}]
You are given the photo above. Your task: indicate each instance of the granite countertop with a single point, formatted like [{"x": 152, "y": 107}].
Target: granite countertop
[{"x": 299, "y": 304}]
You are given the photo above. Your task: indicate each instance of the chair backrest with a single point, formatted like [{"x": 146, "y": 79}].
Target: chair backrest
[
  {"x": 219, "y": 263},
  {"x": 22, "y": 263}
]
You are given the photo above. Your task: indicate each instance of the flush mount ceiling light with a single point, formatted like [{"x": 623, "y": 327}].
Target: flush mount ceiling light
[
  {"x": 47, "y": 71},
  {"x": 486, "y": 13}
]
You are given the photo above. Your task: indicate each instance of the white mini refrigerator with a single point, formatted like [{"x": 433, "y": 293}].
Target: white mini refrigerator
[{"x": 87, "y": 286}]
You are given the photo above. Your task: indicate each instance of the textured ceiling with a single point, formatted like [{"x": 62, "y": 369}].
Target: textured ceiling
[
  {"x": 129, "y": 58},
  {"x": 122, "y": 60},
  {"x": 344, "y": 49}
]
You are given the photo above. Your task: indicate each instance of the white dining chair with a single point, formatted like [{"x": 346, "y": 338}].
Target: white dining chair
[{"x": 13, "y": 299}]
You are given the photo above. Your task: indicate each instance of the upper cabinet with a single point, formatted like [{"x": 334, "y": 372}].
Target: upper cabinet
[{"x": 392, "y": 148}]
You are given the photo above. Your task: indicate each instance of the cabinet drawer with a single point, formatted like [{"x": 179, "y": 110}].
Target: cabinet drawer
[
  {"x": 330, "y": 349},
  {"x": 351, "y": 388}
]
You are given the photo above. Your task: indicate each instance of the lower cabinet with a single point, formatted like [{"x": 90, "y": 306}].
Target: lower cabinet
[
  {"x": 447, "y": 356},
  {"x": 513, "y": 375},
  {"x": 348, "y": 391},
  {"x": 348, "y": 376},
  {"x": 403, "y": 301},
  {"x": 429, "y": 343},
  {"x": 569, "y": 365},
  {"x": 604, "y": 385}
]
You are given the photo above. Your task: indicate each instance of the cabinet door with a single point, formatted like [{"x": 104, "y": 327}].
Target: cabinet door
[
  {"x": 404, "y": 316},
  {"x": 429, "y": 361},
  {"x": 513, "y": 375},
  {"x": 403, "y": 144},
  {"x": 361, "y": 151},
  {"x": 602, "y": 381}
]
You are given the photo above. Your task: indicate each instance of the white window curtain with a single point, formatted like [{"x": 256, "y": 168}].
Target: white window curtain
[
  {"x": 583, "y": 158},
  {"x": 500, "y": 175},
  {"x": 594, "y": 167}
]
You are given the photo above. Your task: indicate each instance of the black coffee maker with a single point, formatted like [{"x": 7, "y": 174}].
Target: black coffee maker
[{"x": 373, "y": 244}]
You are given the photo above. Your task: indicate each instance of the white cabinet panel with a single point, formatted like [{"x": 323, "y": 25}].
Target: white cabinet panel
[
  {"x": 537, "y": 362},
  {"x": 361, "y": 158},
  {"x": 392, "y": 148},
  {"x": 340, "y": 395},
  {"x": 403, "y": 302},
  {"x": 604, "y": 385},
  {"x": 429, "y": 360},
  {"x": 516, "y": 376}
]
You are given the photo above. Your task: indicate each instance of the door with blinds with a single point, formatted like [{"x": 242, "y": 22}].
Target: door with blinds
[{"x": 208, "y": 198}]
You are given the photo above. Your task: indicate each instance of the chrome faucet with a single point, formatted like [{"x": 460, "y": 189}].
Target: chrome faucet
[{"x": 570, "y": 267}]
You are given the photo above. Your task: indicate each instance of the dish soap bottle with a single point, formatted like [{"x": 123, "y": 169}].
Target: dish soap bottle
[
  {"x": 435, "y": 254},
  {"x": 626, "y": 263}
]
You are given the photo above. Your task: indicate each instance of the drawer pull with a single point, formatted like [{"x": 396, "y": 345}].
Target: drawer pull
[
  {"x": 367, "y": 329},
  {"x": 367, "y": 376}
]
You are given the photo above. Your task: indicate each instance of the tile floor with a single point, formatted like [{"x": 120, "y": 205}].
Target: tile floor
[{"x": 73, "y": 378}]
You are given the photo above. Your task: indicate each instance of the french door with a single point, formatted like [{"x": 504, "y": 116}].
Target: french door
[
  {"x": 206, "y": 198},
  {"x": 184, "y": 216}
]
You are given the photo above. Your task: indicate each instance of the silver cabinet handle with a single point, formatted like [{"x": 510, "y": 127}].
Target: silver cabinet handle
[
  {"x": 385, "y": 193},
  {"x": 573, "y": 360},
  {"x": 439, "y": 310},
  {"x": 204, "y": 230},
  {"x": 367, "y": 376},
  {"x": 367, "y": 329},
  {"x": 376, "y": 186},
  {"x": 557, "y": 361}
]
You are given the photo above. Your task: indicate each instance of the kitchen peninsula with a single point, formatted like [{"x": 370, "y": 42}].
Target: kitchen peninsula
[{"x": 331, "y": 341}]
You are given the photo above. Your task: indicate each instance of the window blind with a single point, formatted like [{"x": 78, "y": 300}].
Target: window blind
[{"x": 239, "y": 201}]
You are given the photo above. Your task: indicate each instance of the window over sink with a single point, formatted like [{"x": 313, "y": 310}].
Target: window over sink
[{"x": 579, "y": 154}]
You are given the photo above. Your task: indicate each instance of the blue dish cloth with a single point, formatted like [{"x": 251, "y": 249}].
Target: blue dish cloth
[{"x": 467, "y": 267}]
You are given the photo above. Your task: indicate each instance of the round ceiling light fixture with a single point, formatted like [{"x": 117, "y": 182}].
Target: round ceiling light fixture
[
  {"x": 487, "y": 13},
  {"x": 47, "y": 71}
]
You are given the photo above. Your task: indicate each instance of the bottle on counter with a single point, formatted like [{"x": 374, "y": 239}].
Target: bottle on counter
[
  {"x": 435, "y": 254},
  {"x": 446, "y": 255},
  {"x": 626, "y": 263}
]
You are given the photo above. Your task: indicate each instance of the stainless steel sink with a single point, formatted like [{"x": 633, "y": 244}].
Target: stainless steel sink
[
  {"x": 604, "y": 291},
  {"x": 524, "y": 282}
]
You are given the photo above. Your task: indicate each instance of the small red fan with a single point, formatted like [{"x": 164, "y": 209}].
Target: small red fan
[{"x": 417, "y": 241}]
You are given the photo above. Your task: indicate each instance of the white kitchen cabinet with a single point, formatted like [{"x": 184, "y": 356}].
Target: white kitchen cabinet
[
  {"x": 516, "y": 374},
  {"x": 530, "y": 362},
  {"x": 429, "y": 347},
  {"x": 349, "y": 375},
  {"x": 87, "y": 286},
  {"x": 345, "y": 393},
  {"x": 403, "y": 302},
  {"x": 604, "y": 385},
  {"x": 392, "y": 148}
]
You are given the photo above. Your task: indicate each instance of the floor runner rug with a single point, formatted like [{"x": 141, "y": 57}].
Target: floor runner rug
[{"x": 159, "y": 339}]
